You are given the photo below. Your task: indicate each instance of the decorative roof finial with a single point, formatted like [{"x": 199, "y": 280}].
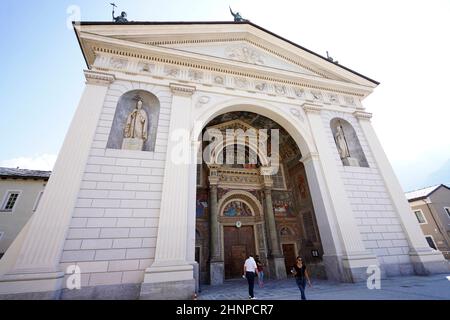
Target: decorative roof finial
[
  {"x": 119, "y": 19},
  {"x": 331, "y": 59},
  {"x": 237, "y": 16}
]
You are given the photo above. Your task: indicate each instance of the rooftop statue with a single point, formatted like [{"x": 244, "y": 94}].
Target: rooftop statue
[
  {"x": 237, "y": 16},
  {"x": 119, "y": 19}
]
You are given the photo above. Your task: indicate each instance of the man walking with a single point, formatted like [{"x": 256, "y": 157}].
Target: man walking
[{"x": 250, "y": 271}]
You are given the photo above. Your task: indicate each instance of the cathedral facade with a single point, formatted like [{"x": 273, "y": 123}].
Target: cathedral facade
[{"x": 197, "y": 144}]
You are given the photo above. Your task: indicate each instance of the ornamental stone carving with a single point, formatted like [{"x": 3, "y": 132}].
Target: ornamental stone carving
[
  {"x": 172, "y": 72},
  {"x": 117, "y": 63},
  {"x": 195, "y": 75},
  {"x": 245, "y": 54},
  {"x": 317, "y": 95},
  {"x": 349, "y": 100},
  {"x": 299, "y": 92},
  {"x": 145, "y": 67}
]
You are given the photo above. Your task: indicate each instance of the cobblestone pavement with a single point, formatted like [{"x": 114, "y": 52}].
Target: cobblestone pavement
[{"x": 436, "y": 287}]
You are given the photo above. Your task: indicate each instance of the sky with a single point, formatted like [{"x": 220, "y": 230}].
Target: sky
[{"x": 402, "y": 44}]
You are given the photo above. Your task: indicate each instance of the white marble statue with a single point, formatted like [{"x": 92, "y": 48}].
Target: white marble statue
[
  {"x": 136, "y": 128},
  {"x": 341, "y": 143}
]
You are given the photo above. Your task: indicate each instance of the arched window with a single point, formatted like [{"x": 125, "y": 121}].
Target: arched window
[{"x": 347, "y": 144}]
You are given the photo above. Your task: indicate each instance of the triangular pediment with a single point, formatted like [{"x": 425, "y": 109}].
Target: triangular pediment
[
  {"x": 246, "y": 52},
  {"x": 242, "y": 48}
]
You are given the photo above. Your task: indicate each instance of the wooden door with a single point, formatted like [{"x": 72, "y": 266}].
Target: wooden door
[
  {"x": 289, "y": 256},
  {"x": 238, "y": 243}
]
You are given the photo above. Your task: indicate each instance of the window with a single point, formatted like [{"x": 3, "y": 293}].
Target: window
[
  {"x": 420, "y": 217},
  {"x": 38, "y": 199},
  {"x": 431, "y": 242},
  {"x": 10, "y": 201},
  {"x": 448, "y": 211}
]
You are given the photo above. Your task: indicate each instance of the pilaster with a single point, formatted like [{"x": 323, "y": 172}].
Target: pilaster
[
  {"x": 355, "y": 258},
  {"x": 424, "y": 259},
  {"x": 35, "y": 264},
  {"x": 171, "y": 262}
]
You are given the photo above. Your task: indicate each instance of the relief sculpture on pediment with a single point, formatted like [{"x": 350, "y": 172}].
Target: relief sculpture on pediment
[{"x": 245, "y": 54}]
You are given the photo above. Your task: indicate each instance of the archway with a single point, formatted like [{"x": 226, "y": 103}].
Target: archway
[{"x": 282, "y": 197}]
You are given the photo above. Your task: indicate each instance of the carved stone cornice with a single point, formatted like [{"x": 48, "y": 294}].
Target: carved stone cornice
[
  {"x": 362, "y": 115},
  {"x": 182, "y": 90},
  {"x": 312, "y": 108},
  {"x": 309, "y": 157},
  {"x": 98, "y": 78}
]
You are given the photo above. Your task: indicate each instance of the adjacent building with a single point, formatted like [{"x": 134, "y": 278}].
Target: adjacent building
[
  {"x": 20, "y": 194},
  {"x": 431, "y": 207}
]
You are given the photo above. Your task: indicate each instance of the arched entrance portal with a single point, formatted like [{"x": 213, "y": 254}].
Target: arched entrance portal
[{"x": 246, "y": 208}]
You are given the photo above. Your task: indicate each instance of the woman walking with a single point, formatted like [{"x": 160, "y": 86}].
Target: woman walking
[
  {"x": 301, "y": 276},
  {"x": 260, "y": 266}
]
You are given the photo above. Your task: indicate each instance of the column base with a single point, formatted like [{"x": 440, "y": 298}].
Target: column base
[
  {"x": 351, "y": 268},
  {"x": 355, "y": 267},
  {"x": 33, "y": 286},
  {"x": 168, "y": 282},
  {"x": 174, "y": 290},
  {"x": 216, "y": 271},
  {"x": 278, "y": 267},
  {"x": 350, "y": 162},
  {"x": 427, "y": 261}
]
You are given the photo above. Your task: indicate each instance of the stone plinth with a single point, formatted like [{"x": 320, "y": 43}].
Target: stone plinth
[
  {"x": 133, "y": 144},
  {"x": 351, "y": 162},
  {"x": 217, "y": 270}
]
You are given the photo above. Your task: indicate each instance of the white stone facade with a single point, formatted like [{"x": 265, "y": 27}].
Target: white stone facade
[{"x": 128, "y": 217}]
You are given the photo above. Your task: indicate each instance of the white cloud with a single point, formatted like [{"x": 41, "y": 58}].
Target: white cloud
[{"x": 37, "y": 162}]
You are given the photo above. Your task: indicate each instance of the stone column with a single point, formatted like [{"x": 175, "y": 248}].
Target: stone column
[
  {"x": 216, "y": 263},
  {"x": 355, "y": 258},
  {"x": 32, "y": 262},
  {"x": 424, "y": 259},
  {"x": 171, "y": 275},
  {"x": 276, "y": 256}
]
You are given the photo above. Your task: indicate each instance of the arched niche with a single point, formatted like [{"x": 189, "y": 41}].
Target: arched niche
[
  {"x": 351, "y": 140},
  {"x": 126, "y": 104}
]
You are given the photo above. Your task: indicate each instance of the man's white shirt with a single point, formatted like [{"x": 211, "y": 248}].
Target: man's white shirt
[{"x": 250, "y": 265}]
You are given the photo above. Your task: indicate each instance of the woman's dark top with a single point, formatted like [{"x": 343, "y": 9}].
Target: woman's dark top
[{"x": 300, "y": 272}]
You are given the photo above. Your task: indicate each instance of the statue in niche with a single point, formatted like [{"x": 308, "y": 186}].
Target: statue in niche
[
  {"x": 343, "y": 149},
  {"x": 341, "y": 143},
  {"x": 136, "y": 128}
]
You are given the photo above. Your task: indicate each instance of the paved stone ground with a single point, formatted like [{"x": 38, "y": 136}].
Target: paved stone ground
[{"x": 436, "y": 287}]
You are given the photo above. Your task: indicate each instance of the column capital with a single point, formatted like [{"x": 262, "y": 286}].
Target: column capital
[
  {"x": 182, "y": 90},
  {"x": 312, "y": 108},
  {"x": 213, "y": 175},
  {"x": 98, "y": 78},
  {"x": 309, "y": 157},
  {"x": 362, "y": 115},
  {"x": 266, "y": 173}
]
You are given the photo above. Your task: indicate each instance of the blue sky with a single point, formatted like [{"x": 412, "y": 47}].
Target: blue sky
[{"x": 402, "y": 44}]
